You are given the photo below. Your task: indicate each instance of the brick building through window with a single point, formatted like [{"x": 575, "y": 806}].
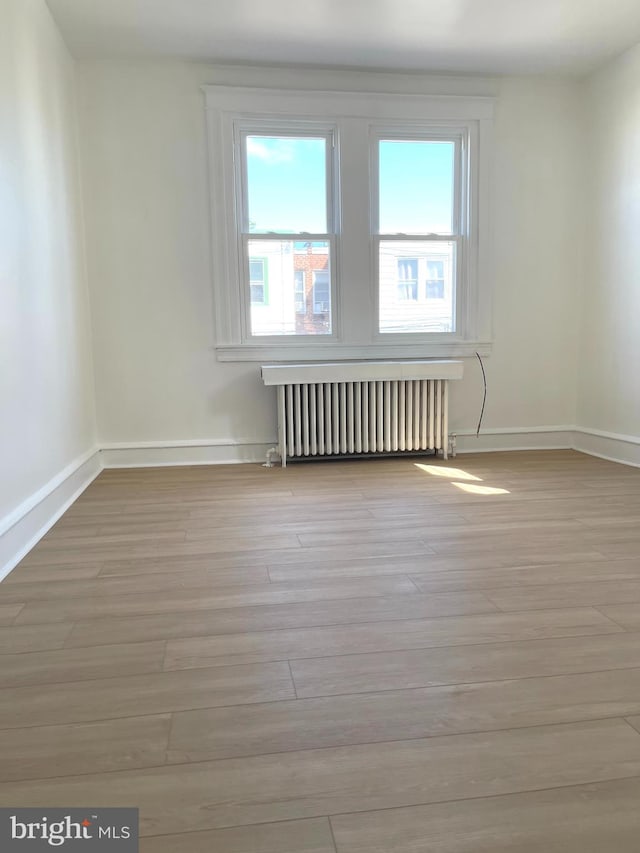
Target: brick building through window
[{"x": 312, "y": 288}]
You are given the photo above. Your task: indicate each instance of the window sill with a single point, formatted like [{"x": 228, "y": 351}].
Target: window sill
[{"x": 346, "y": 352}]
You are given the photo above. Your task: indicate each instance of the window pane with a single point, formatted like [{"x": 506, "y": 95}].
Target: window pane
[
  {"x": 435, "y": 279},
  {"x": 416, "y": 187},
  {"x": 299, "y": 288},
  {"x": 321, "y": 292},
  {"x": 287, "y": 184},
  {"x": 257, "y": 280},
  {"x": 417, "y": 286},
  {"x": 407, "y": 278},
  {"x": 256, "y": 269},
  {"x": 296, "y": 282}
]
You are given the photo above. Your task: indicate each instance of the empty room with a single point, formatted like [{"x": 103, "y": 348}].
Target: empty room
[{"x": 320, "y": 426}]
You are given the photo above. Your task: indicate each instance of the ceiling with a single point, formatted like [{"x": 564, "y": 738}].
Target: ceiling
[{"x": 487, "y": 36}]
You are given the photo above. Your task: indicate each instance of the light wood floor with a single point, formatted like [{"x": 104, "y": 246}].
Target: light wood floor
[{"x": 360, "y": 656}]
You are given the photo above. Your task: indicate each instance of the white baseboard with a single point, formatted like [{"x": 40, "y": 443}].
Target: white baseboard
[
  {"x": 154, "y": 454},
  {"x": 27, "y": 524},
  {"x": 147, "y": 454},
  {"x": 613, "y": 446},
  {"x": 515, "y": 438}
]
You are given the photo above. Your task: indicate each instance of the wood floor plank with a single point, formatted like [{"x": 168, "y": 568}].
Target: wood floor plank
[
  {"x": 363, "y": 673},
  {"x": 620, "y": 516},
  {"x": 617, "y": 550},
  {"x": 252, "y": 647},
  {"x": 277, "y": 547},
  {"x": 317, "y": 782},
  {"x": 32, "y": 638},
  {"x": 54, "y": 751},
  {"x": 62, "y": 543},
  {"x": 226, "y": 570},
  {"x": 136, "y": 695},
  {"x": 541, "y": 542},
  {"x": 335, "y": 553},
  {"x": 61, "y": 665},
  {"x": 102, "y": 587},
  {"x": 515, "y": 576},
  {"x": 112, "y": 530},
  {"x": 417, "y": 563},
  {"x": 578, "y": 594},
  {"x": 44, "y": 574},
  {"x": 433, "y": 530},
  {"x": 114, "y": 519},
  {"x": 319, "y": 519},
  {"x": 267, "y": 617},
  {"x": 634, "y": 721},
  {"x": 253, "y": 600},
  {"x": 542, "y": 492},
  {"x": 402, "y": 714},
  {"x": 295, "y": 836},
  {"x": 8, "y": 613},
  {"x": 202, "y": 622},
  {"x": 579, "y": 507},
  {"x": 627, "y": 615},
  {"x": 582, "y": 819},
  {"x": 228, "y": 553}
]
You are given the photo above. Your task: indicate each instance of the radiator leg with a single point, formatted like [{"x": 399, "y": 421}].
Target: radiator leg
[
  {"x": 282, "y": 431},
  {"x": 445, "y": 419}
]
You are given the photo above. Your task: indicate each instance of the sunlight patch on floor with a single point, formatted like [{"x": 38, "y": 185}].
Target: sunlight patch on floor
[
  {"x": 443, "y": 471},
  {"x": 472, "y": 489},
  {"x": 459, "y": 474}
]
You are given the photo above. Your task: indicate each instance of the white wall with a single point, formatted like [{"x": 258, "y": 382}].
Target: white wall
[
  {"x": 47, "y": 417},
  {"x": 145, "y": 177},
  {"x": 609, "y": 376},
  {"x": 538, "y": 202}
]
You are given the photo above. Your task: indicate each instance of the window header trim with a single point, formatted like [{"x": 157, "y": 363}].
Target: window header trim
[{"x": 266, "y": 104}]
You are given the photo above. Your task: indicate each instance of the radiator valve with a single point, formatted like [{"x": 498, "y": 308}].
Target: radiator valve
[{"x": 273, "y": 451}]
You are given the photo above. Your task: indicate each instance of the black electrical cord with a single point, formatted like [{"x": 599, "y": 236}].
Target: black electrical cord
[{"x": 484, "y": 398}]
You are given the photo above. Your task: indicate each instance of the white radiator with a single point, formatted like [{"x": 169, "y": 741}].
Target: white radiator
[{"x": 362, "y": 408}]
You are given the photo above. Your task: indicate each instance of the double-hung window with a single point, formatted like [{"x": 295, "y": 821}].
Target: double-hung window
[
  {"x": 286, "y": 217},
  {"x": 349, "y": 225},
  {"x": 420, "y": 230}
]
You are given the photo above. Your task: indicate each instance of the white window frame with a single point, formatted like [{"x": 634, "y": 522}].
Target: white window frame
[{"x": 354, "y": 119}]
